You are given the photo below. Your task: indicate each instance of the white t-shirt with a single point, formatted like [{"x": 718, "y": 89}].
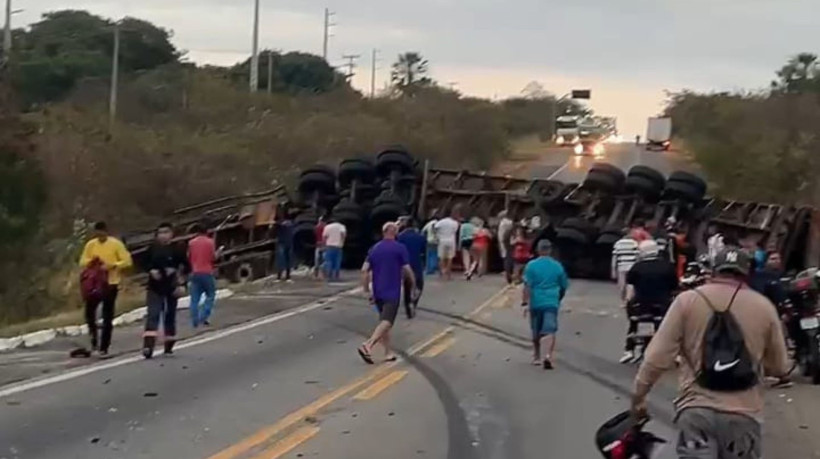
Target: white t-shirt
[
  {"x": 334, "y": 234},
  {"x": 504, "y": 228},
  {"x": 624, "y": 255},
  {"x": 430, "y": 232},
  {"x": 446, "y": 231}
]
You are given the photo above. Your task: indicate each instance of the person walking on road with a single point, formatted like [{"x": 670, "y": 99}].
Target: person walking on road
[
  {"x": 429, "y": 231},
  {"x": 202, "y": 256},
  {"x": 319, "y": 252},
  {"x": 545, "y": 285},
  {"x": 728, "y": 336},
  {"x": 447, "y": 234},
  {"x": 624, "y": 256},
  {"x": 387, "y": 267},
  {"x": 166, "y": 265},
  {"x": 283, "y": 228},
  {"x": 416, "y": 245},
  {"x": 334, "y": 236},
  {"x": 505, "y": 227},
  {"x": 109, "y": 253},
  {"x": 465, "y": 239},
  {"x": 521, "y": 253}
]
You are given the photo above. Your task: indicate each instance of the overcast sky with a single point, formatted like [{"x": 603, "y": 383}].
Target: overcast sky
[{"x": 627, "y": 51}]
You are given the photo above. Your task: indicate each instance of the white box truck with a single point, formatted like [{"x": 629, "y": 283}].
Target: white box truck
[{"x": 658, "y": 133}]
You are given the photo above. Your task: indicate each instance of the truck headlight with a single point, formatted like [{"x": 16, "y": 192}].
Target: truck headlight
[
  {"x": 579, "y": 149},
  {"x": 560, "y": 140},
  {"x": 598, "y": 149}
]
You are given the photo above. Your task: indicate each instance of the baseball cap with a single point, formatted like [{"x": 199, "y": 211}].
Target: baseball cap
[
  {"x": 733, "y": 259},
  {"x": 544, "y": 245}
]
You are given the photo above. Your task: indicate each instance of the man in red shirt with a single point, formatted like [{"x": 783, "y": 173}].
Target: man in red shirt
[
  {"x": 202, "y": 254},
  {"x": 318, "y": 257}
]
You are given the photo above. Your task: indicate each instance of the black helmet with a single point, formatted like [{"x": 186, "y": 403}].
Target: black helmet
[{"x": 622, "y": 437}]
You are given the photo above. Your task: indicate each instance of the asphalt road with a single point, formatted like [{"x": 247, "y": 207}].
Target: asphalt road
[{"x": 281, "y": 379}]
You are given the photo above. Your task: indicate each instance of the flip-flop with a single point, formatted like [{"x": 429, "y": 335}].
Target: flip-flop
[
  {"x": 391, "y": 359},
  {"x": 365, "y": 355}
]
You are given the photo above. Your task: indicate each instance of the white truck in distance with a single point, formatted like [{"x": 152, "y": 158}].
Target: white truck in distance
[
  {"x": 658, "y": 133},
  {"x": 566, "y": 130}
]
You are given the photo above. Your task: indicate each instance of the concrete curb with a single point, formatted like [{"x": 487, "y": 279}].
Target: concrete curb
[{"x": 40, "y": 337}]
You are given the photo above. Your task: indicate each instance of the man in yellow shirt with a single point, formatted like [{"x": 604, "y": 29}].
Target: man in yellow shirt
[{"x": 114, "y": 257}]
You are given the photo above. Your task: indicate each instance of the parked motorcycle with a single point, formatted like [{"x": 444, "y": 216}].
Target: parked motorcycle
[{"x": 803, "y": 321}]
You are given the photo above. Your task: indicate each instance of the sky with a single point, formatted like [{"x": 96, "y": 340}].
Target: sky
[{"x": 627, "y": 52}]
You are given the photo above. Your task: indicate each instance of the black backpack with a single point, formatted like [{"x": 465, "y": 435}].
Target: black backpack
[{"x": 727, "y": 365}]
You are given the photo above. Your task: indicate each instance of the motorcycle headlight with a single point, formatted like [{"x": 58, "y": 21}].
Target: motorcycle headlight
[
  {"x": 578, "y": 149},
  {"x": 598, "y": 149},
  {"x": 560, "y": 140}
]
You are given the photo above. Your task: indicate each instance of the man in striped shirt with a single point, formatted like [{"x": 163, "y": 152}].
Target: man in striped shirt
[{"x": 624, "y": 255}]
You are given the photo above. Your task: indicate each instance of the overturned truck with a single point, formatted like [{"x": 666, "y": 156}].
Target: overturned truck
[{"x": 583, "y": 220}]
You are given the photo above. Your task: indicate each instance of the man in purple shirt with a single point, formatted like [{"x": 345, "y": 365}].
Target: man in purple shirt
[{"x": 388, "y": 265}]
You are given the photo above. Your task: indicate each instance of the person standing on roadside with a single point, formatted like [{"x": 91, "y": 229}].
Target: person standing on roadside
[
  {"x": 447, "y": 234},
  {"x": 388, "y": 267},
  {"x": 624, "y": 256},
  {"x": 505, "y": 226},
  {"x": 319, "y": 252},
  {"x": 429, "y": 231},
  {"x": 638, "y": 231},
  {"x": 465, "y": 238},
  {"x": 545, "y": 284},
  {"x": 728, "y": 336},
  {"x": 110, "y": 253},
  {"x": 521, "y": 253},
  {"x": 481, "y": 245},
  {"x": 334, "y": 236},
  {"x": 166, "y": 265},
  {"x": 416, "y": 245},
  {"x": 202, "y": 256},
  {"x": 283, "y": 228}
]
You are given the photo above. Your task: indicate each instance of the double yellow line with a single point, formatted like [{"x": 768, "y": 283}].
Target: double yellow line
[{"x": 306, "y": 432}]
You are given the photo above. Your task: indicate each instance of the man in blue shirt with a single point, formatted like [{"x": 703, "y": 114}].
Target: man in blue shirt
[
  {"x": 387, "y": 263},
  {"x": 545, "y": 284},
  {"x": 416, "y": 245}
]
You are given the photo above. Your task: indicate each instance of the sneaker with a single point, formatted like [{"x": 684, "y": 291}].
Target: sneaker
[
  {"x": 782, "y": 383},
  {"x": 147, "y": 352},
  {"x": 169, "y": 347},
  {"x": 627, "y": 357},
  {"x": 548, "y": 364},
  {"x": 206, "y": 323},
  {"x": 637, "y": 359},
  {"x": 289, "y": 281}
]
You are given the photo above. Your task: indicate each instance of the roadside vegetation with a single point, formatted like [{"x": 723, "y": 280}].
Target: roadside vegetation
[
  {"x": 185, "y": 133},
  {"x": 762, "y": 145}
]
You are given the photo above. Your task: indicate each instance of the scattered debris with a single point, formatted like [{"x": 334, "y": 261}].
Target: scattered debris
[
  {"x": 107, "y": 381},
  {"x": 311, "y": 420},
  {"x": 391, "y": 414},
  {"x": 327, "y": 308},
  {"x": 13, "y": 402},
  {"x": 254, "y": 386},
  {"x": 345, "y": 432},
  {"x": 150, "y": 394},
  {"x": 311, "y": 381},
  {"x": 112, "y": 410},
  {"x": 95, "y": 440}
]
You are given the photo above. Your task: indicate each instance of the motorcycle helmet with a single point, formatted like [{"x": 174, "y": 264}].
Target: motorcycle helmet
[{"x": 622, "y": 437}]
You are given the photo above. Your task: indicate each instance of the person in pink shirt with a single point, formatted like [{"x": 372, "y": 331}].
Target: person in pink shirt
[{"x": 202, "y": 255}]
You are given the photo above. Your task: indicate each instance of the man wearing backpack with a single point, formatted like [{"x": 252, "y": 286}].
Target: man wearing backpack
[{"x": 728, "y": 337}]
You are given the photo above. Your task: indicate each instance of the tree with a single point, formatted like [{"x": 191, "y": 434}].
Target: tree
[
  {"x": 293, "y": 73},
  {"x": 410, "y": 73},
  {"x": 535, "y": 90},
  {"x": 800, "y": 74},
  {"x": 70, "y": 45}
]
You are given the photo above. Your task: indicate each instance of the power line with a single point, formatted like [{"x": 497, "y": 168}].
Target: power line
[
  {"x": 254, "y": 80},
  {"x": 326, "y": 31},
  {"x": 351, "y": 64}
]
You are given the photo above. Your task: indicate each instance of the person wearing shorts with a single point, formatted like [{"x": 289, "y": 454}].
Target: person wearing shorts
[
  {"x": 465, "y": 237},
  {"x": 545, "y": 284},
  {"x": 446, "y": 233},
  {"x": 387, "y": 266}
]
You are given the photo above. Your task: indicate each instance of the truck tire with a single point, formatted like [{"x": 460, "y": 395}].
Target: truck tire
[
  {"x": 346, "y": 206},
  {"x": 361, "y": 169},
  {"x": 388, "y": 198},
  {"x": 602, "y": 181},
  {"x": 571, "y": 235},
  {"x": 648, "y": 173},
  {"x": 643, "y": 186},
  {"x": 384, "y": 213},
  {"x": 683, "y": 191},
  {"x": 394, "y": 158},
  {"x": 312, "y": 182},
  {"x": 578, "y": 224},
  {"x": 692, "y": 179}
]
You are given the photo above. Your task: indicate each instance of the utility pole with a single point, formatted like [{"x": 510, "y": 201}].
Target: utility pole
[
  {"x": 255, "y": 49},
  {"x": 374, "y": 59},
  {"x": 326, "y": 31},
  {"x": 351, "y": 64},
  {"x": 115, "y": 77},
  {"x": 270, "y": 71},
  {"x": 7, "y": 34}
]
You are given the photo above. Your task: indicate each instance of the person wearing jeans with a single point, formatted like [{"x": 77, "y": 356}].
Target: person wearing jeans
[
  {"x": 334, "y": 239},
  {"x": 166, "y": 264},
  {"x": 115, "y": 259},
  {"x": 202, "y": 255}
]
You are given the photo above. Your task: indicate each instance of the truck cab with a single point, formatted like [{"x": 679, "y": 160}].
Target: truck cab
[{"x": 567, "y": 131}]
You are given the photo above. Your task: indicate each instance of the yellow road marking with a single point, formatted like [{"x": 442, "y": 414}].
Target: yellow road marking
[
  {"x": 439, "y": 348},
  {"x": 380, "y": 386},
  {"x": 266, "y": 433},
  {"x": 288, "y": 443}
]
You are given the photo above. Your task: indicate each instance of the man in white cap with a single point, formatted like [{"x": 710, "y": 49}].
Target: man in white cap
[{"x": 651, "y": 285}]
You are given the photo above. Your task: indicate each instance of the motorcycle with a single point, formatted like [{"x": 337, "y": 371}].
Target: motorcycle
[
  {"x": 647, "y": 319},
  {"x": 803, "y": 321},
  {"x": 695, "y": 275}
]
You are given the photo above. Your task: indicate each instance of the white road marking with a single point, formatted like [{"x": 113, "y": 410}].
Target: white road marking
[
  {"x": 76, "y": 373},
  {"x": 560, "y": 169}
]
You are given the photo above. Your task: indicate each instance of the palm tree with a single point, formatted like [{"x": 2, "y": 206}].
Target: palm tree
[{"x": 409, "y": 73}]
